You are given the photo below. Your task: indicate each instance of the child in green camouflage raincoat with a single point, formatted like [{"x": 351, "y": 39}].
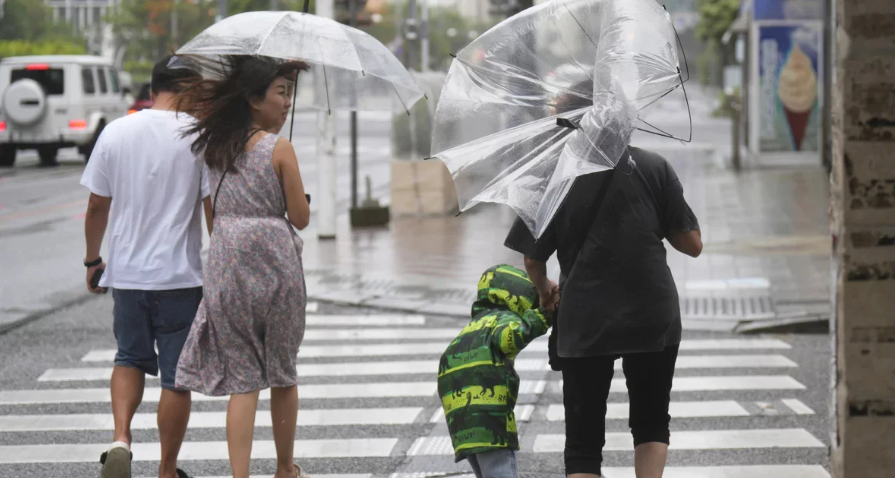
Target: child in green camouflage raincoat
[{"x": 477, "y": 383}]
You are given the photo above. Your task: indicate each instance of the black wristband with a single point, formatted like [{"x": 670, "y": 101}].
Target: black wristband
[{"x": 98, "y": 261}]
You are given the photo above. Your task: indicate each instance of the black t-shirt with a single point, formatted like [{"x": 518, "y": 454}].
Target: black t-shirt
[{"x": 617, "y": 292}]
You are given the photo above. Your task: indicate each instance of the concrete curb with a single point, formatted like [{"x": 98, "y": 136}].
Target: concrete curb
[
  {"x": 15, "y": 324},
  {"x": 816, "y": 324}
]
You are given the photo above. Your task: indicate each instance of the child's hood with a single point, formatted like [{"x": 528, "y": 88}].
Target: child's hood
[{"x": 505, "y": 287}]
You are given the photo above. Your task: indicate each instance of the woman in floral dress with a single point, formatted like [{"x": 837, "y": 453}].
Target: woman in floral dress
[{"x": 249, "y": 326}]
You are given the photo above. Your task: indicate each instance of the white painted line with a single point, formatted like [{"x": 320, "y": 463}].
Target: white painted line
[
  {"x": 798, "y": 407},
  {"x": 700, "y": 440},
  {"x": 366, "y": 320},
  {"x": 152, "y": 395},
  {"x": 315, "y": 475},
  {"x": 523, "y": 414},
  {"x": 372, "y": 350},
  {"x": 437, "y": 348},
  {"x": 147, "y": 421},
  {"x": 304, "y": 370},
  {"x": 701, "y": 384},
  {"x": 532, "y": 387},
  {"x": 728, "y": 361},
  {"x": 192, "y": 451},
  {"x": 312, "y": 307},
  {"x": 619, "y": 411},
  {"x": 381, "y": 334},
  {"x": 753, "y": 471},
  {"x": 308, "y": 351}
]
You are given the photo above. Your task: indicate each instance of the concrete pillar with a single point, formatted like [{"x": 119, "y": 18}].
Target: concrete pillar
[{"x": 863, "y": 224}]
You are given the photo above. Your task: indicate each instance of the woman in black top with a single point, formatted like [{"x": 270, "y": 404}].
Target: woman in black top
[{"x": 618, "y": 300}]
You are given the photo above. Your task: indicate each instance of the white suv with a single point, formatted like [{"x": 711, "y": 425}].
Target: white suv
[{"x": 52, "y": 102}]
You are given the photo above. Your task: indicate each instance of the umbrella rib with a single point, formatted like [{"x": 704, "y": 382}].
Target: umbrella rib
[
  {"x": 579, "y": 25},
  {"x": 399, "y": 97},
  {"x": 277, "y": 23}
]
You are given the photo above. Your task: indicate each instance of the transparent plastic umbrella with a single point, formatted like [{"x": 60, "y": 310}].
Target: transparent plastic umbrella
[
  {"x": 351, "y": 70},
  {"x": 551, "y": 94}
]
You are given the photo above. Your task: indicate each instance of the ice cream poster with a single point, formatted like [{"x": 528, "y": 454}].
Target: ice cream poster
[{"x": 789, "y": 88}]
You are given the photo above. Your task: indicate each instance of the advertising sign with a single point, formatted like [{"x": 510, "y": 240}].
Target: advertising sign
[
  {"x": 788, "y": 10},
  {"x": 789, "y": 83}
]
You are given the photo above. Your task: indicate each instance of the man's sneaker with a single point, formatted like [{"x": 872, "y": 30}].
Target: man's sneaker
[
  {"x": 116, "y": 463},
  {"x": 182, "y": 474}
]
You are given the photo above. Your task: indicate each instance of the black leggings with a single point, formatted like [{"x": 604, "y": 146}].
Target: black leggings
[{"x": 586, "y": 383}]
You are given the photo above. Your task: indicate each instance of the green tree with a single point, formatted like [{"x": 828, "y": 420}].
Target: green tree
[
  {"x": 715, "y": 18},
  {"x": 32, "y": 21}
]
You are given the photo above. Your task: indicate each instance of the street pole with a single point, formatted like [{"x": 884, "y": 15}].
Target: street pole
[
  {"x": 424, "y": 37},
  {"x": 174, "y": 24},
  {"x": 326, "y": 153},
  {"x": 222, "y": 10},
  {"x": 411, "y": 33},
  {"x": 352, "y": 21}
]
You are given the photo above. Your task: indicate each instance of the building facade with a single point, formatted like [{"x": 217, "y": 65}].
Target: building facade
[{"x": 88, "y": 18}]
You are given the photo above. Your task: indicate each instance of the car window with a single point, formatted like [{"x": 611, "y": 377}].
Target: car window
[
  {"x": 87, "y": 81},
  {"x": 103, "y": 86},
  {"x": 113, "y": 76},
  {"x": 51, "y": 79}
]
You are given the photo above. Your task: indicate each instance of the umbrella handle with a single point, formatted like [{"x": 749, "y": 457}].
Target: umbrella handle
[{"x": 306, "y": 6}]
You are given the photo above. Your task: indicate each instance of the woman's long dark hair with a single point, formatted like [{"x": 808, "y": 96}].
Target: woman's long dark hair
[{"x": 222, "y": 108}]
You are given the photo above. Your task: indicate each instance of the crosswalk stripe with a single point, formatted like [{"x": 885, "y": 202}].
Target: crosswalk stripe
[
  {"x": 743, "y": 471},
  {"x": 436, "y": 348},
  {"x": 316, "y": 475},
  {"x": 304, "y": 370},
  {"x": 431, "y": 366},
  {"x": 797, "y": 406},
  {"x": 619, "y": 411},
  {"x": 192, "y": 451},
  {"x": 700, "y": 440},
  {"x": 365, "y": 320},
  {"x": 152, "y": 395},
  {"x": 147, "y": 421},
  {"x": 726, "y": 383},
  {"x": 400, "y": 389},
  {"x": 380, "y": 334},
  {"x": 727, "y": 361},
  {"x": 312, "y": 307},
  {"x": 740, "y": 471}
]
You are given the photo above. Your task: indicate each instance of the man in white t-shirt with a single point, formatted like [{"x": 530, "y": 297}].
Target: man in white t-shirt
[{"x": 143, "y": 171}]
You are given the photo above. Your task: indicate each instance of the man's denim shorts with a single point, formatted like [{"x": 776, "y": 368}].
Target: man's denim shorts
[{"x": 144, "y": 318}]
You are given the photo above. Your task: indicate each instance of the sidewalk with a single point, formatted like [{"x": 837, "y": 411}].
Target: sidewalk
[{"x": 767, "y": 243}]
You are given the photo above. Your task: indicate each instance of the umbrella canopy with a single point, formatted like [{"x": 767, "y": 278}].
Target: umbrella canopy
[
  {"x": 350, "y": 69},
  {"x": 548, "y": 95}
]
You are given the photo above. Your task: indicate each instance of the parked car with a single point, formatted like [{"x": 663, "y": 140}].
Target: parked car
[
  {"x": 53, "y": 102},
  {"x": 143, "y": 101}
]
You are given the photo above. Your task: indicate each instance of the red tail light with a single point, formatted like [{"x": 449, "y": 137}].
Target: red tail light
[
  {"x": 131, "y": 111},
  {"x": 2, "y": 126},
  {"x": 37, "y": 67},
  {"x": 77, "y": 124}
]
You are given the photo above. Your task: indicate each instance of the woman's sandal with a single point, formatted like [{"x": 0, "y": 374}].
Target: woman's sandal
[{"x": 299, "y": 473}]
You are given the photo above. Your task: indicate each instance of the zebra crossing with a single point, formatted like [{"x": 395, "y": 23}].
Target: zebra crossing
[{"x": 376, "y": 374}]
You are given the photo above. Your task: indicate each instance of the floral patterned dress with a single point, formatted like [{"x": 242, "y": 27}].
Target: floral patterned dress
[{"x": 252, "y": 317}]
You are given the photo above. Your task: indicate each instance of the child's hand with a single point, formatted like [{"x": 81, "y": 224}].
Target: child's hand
[{"x": 549, "y": 297}]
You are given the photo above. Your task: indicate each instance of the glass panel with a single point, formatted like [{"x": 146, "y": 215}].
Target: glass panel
[
  {"x": 87, "y": 81},
  {"x": 52, "y": 80}
]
